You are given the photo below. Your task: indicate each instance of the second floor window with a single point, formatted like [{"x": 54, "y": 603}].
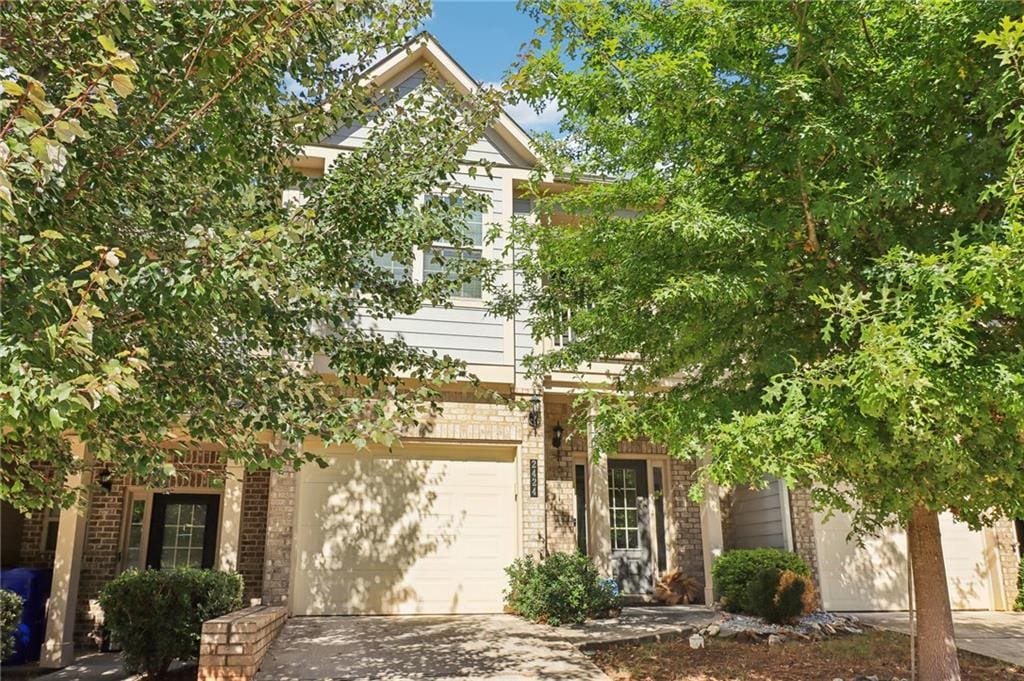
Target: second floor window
[
  {"x": 387, "y": 262},
  {"x": 443, "y": 252}
]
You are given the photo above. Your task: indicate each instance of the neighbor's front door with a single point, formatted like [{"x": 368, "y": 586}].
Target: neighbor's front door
[
  {"x": 628, "y": 501},
  {"x": 183, "y": 531}
]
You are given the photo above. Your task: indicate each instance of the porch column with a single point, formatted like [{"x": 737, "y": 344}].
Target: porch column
[
  {"x": 599, "y": 533},
  {"x": 711, "y": 534},
  {"x": 59, "y": 645},
  {"x": 230, "y": 518}
]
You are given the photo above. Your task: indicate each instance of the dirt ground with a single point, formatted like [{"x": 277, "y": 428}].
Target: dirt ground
[{"x": 881, "y": 653}]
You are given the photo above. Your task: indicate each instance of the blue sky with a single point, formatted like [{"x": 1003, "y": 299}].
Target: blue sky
[{"x": 485, "y": 37}]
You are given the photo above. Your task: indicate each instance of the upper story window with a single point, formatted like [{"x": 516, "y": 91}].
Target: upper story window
[
  {"x": 387, "y": 262},
  {"x": 442, "y": 252}
]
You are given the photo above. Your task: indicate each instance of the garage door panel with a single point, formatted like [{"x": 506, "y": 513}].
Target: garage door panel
[
  {"x": 874, "y": 576},
  {"x": 399, "y": 535}
]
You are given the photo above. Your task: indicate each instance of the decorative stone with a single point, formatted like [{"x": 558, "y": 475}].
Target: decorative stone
[
  {"x": 776, "y": 640},
  {"x": 713, "y": 630},
  {"x": 696, "y": 641}
]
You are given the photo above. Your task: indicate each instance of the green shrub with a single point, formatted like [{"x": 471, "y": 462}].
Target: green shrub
[
  {"x": 157, "y": 615},
  {"x": 10, "y": 617},
  {"x": 780, "y": 596},
  {"x": 1019, "y": 605},
  {"x": 560, "y": 589},
  {"x": 735, "y": 569}
]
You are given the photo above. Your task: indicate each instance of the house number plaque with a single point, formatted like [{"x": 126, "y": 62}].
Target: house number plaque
[{"x": 533, "y": 477}]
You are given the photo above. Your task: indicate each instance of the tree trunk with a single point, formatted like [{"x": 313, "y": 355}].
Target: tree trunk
[{"x": 936, "y": 647}]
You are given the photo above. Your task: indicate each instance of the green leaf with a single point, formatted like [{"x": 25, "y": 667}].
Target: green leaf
[
  {"x": 12, "y": 88},
  {"x": 107, "y": 43},
  {"x": 56, "y": 420},
  {"x": 51, "y": 234}
]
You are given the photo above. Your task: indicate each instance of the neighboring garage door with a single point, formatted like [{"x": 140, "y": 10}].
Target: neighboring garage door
[
  {"x": 874, "y": 577},
  {"x": 405, "y": 535}
]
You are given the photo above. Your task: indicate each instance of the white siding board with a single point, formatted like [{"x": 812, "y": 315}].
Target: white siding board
[{"x": 755, "y": 519}]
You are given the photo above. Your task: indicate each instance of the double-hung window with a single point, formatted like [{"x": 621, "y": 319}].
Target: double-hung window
[
  {"x": 443, "y": 252},
  {"x": 387, "y": 262}
]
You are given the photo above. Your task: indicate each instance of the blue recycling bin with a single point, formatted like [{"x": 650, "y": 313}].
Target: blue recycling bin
[{"x": 33, "y": 585}]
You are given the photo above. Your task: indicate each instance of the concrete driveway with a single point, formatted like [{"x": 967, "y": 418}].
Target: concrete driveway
[
  {"x": 424, "y": 647},
  {"x": 995, "y": 634}
]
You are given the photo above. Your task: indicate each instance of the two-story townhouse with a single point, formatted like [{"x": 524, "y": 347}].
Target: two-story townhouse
[{"x": 429, "y": 525}]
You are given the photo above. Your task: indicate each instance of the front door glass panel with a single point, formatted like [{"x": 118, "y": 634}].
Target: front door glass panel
[
  {"x": 624, "y": 507},
  {"x": 184, "y": 536}
]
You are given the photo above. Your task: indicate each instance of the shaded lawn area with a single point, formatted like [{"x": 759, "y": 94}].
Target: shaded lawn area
[{"x": 882, "y": 653}]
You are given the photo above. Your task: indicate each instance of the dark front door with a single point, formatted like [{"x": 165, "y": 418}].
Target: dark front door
[
  {"x": 183, "y": 531},
  {"x": 631, "y": 537}
]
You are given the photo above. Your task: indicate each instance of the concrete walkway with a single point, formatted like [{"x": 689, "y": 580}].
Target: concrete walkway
[
  {"x": 88, "y": 666},
  {"x": 994, "y": 634},
  {"x": 460, "y": 647}
]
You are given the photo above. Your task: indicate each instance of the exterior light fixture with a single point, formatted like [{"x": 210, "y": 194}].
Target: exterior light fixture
[
  {"x": 556, "y": 437},
  {"x": 534, "y": 417},
  {"x": 105, "y": 479}
]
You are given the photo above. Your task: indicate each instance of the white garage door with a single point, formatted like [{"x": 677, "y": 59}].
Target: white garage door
[
  {"x": 404, "y": 535},
  {"x": 874, "y": 577}
]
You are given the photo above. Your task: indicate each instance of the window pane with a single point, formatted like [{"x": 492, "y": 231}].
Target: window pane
[
  {"x": 184, "y": 536},
  {"x": 432, "y": 266},
  {"x": 52, "y": 527},
  {"x": 386, "y": 261}
]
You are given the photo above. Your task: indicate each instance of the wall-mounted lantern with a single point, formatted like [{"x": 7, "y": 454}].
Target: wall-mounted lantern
[
  {"x": 556, "y": 437},
  {"x": 534, "y": 418},
  {"x": 105, "y": 479}
]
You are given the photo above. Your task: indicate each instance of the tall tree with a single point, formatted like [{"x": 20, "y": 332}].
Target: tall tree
[
  {"x": 787, "y": 167},
  {"x": 154, "y": 285}
]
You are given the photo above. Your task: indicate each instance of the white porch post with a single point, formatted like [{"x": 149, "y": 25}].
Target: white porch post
[
  {"x": 230, "y": 518},
  {"x": 59, "y": 645},
  {"x": 599, "y": 534},
  {"x": 711, "y": 534}
]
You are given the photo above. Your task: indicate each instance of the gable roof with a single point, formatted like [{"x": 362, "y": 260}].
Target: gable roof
[{"x": 425, "y": 46}]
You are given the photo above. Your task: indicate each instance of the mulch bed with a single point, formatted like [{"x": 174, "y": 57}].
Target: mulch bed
[{"x": 881, "y": 653}]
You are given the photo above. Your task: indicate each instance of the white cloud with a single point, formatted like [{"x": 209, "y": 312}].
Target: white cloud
[{"x": 547, "y": 118}]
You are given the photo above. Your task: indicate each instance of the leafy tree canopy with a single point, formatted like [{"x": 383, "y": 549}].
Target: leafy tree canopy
[
  {"x": 782, "y": 168},
  {"x": 155, "y": 285}
]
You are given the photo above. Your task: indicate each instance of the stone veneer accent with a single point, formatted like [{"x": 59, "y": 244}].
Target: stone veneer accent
[
  {"x": 466, "y": 417},
  {"x": 804, "y": 543},
  {"x": 685, "y": 540},
  {"x": 1008, "y": 547},
  {"x": 277, "y": 554},
  {"x": 232, "y": 647},
  {"x": 561, "y": 479}
]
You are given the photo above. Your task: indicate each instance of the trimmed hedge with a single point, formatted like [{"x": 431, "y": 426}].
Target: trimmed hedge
[
  {"x": 10, "y": 617},
  {"x": 157, "y": 615},
  {"x": 736, "y": 569},
  {"x": 780, "y": 596},
  {"x": 560, "y": 589}
]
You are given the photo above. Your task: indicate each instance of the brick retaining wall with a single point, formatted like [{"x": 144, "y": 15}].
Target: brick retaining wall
[{"x": 233, "y": 646}]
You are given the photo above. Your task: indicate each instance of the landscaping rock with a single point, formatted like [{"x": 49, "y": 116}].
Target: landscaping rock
[
  {"x": 813, "y": 627},
  {"x": 776, "y": 640}
]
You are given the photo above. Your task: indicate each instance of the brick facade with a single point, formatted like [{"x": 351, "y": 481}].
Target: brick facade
[
  {"x": 253, "y": 533},
  {"x": 683, "y": 532},
  {"x": 101, "y": 557}
]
